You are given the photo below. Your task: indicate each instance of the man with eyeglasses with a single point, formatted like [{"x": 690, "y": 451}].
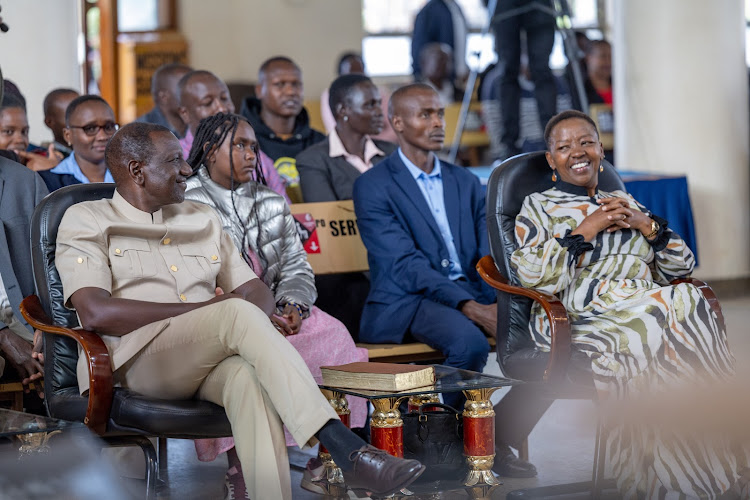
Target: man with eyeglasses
[{"x": 89, "y": 124}]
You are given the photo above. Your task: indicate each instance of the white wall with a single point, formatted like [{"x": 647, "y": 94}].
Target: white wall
[
  {"x": 681, "y": 97},
  {"x": 39, "y": 52},
  {"x": 233, "y": 37}
]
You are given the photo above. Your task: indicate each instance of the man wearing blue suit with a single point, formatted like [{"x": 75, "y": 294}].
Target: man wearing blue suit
[{"x": 423, "y": 223}]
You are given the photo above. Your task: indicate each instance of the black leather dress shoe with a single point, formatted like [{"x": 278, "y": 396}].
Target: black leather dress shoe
[
  {"x": 507, "y": 464},
  {"x": 378, "y": 472}
]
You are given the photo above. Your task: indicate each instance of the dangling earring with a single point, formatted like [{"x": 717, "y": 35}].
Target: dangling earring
[
  {"x": 346, "y": 118},
  {"x": 601, "y": 168},
  {"x": 554, "y": 176}
]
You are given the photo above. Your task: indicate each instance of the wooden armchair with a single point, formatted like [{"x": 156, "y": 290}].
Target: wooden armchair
[
  {"x": 121, "y": 417},
  {"x": 565, "y": 372}
]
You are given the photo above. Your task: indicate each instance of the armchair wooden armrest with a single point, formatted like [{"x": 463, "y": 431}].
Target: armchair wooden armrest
[
  {"x": 708, "y": 293},
  {"x": 558, "y": 317},
  {"x": 97, "y": 356}
]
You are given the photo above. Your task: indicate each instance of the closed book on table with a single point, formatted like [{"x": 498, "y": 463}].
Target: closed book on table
[{"x": 378, "y": 376}]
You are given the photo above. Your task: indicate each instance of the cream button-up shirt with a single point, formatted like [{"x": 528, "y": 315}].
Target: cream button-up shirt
[
  {"x": 336, "y": 148},
  {"x": 177, "y": 254}
]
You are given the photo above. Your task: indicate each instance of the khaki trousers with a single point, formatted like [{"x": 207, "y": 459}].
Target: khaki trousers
[{"x": 229, "y": 353}]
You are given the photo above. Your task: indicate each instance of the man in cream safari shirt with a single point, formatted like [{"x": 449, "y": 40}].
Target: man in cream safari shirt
[{"x": 184, "y": 316}]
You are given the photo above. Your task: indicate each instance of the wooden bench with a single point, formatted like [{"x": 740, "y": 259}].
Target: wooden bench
[
  {"x": 406, "y": 353},
  {"x": 13, "y": 392},
  {"x": 352, "y": 257}
]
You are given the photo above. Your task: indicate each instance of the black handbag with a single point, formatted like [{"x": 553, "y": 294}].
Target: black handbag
[{"x": 436, "y": 438}]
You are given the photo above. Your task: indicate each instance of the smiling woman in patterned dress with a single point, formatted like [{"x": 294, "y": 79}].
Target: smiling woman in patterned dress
[{"x": 610, "y": 261}]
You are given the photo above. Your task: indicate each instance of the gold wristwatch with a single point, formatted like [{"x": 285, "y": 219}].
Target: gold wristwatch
[{"x": 654, "y": 229}]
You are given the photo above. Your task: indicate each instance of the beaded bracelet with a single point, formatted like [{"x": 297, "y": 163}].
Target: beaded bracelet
[{"x": 299, "y": 307}]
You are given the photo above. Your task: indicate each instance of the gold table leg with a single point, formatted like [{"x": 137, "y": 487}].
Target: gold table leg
[
  {"x": 333, "y": 473},
  {"x": 35, "y": 442},
  {"x": 387, "y": 428},
  {"x": 479, "y": 437},
  {"x": 416, "y": 401}
]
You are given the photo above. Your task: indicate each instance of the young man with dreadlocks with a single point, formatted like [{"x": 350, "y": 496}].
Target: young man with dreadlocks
[{"x": 224, "y": 158}]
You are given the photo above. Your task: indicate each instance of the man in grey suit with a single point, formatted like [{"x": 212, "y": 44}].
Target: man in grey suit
[{"x": 20, "y": 191}]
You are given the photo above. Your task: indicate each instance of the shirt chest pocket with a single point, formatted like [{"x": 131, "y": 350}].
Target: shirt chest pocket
[
  {"x": 131, "y": 257},
  {"x": 202, "y": 260}
]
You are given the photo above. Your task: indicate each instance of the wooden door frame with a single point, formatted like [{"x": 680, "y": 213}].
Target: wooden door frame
[
  {"x": 108, "y": 33},
  {"x": 108, "y": 52}
]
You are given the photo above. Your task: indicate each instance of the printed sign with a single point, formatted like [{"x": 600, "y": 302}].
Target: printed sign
[
  {"x": 307, "y": 233},
  {"x": 330, "y": 235}
]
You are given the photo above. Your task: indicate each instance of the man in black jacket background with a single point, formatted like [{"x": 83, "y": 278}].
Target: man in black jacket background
[{"x": 279, "y": 119}]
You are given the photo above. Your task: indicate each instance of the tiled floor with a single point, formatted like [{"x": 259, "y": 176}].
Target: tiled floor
[{"x": 561, "y": 445}]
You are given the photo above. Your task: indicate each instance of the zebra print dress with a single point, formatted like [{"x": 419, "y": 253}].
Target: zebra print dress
[{"x": 639, "y": 333}]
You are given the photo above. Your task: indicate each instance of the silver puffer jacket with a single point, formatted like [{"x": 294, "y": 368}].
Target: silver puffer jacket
[{"x": 287, "y": 272}]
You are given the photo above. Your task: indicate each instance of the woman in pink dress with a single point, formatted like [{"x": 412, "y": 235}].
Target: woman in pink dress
[{"x": 228, "y": 177}]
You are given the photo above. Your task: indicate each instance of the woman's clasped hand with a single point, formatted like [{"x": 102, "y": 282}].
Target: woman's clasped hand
[{"x": 615, "y": 214}]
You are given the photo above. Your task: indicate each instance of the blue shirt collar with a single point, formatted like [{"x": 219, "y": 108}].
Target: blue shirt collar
[
  {"x": 70, "y": 166},
  {"x": 417, "y": 172}
]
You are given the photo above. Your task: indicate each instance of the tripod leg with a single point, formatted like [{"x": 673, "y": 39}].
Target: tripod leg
[{"x": 562, "y": 15}]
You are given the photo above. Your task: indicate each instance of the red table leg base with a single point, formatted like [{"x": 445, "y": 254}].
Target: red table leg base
[{"x": 479, "y": 437}]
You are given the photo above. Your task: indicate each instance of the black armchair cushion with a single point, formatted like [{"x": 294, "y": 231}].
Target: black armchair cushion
[
  {"x": 508, "y": 187},
  {"x": 190, "y": 419},
  {"x": 131, "y": 413}
]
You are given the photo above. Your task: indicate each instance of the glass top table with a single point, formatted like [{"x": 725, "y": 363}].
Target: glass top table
[
  {"x": 386, "y": 424},
  {"x": 13, "y": 423},
  {"x": 448, "y": 379}
]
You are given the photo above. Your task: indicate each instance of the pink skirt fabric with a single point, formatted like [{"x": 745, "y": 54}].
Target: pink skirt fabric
[{"x": 322, "y": 341}]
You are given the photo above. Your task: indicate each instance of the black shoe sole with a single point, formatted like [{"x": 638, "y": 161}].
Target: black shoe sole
[{"x": 401, "y": 486}]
